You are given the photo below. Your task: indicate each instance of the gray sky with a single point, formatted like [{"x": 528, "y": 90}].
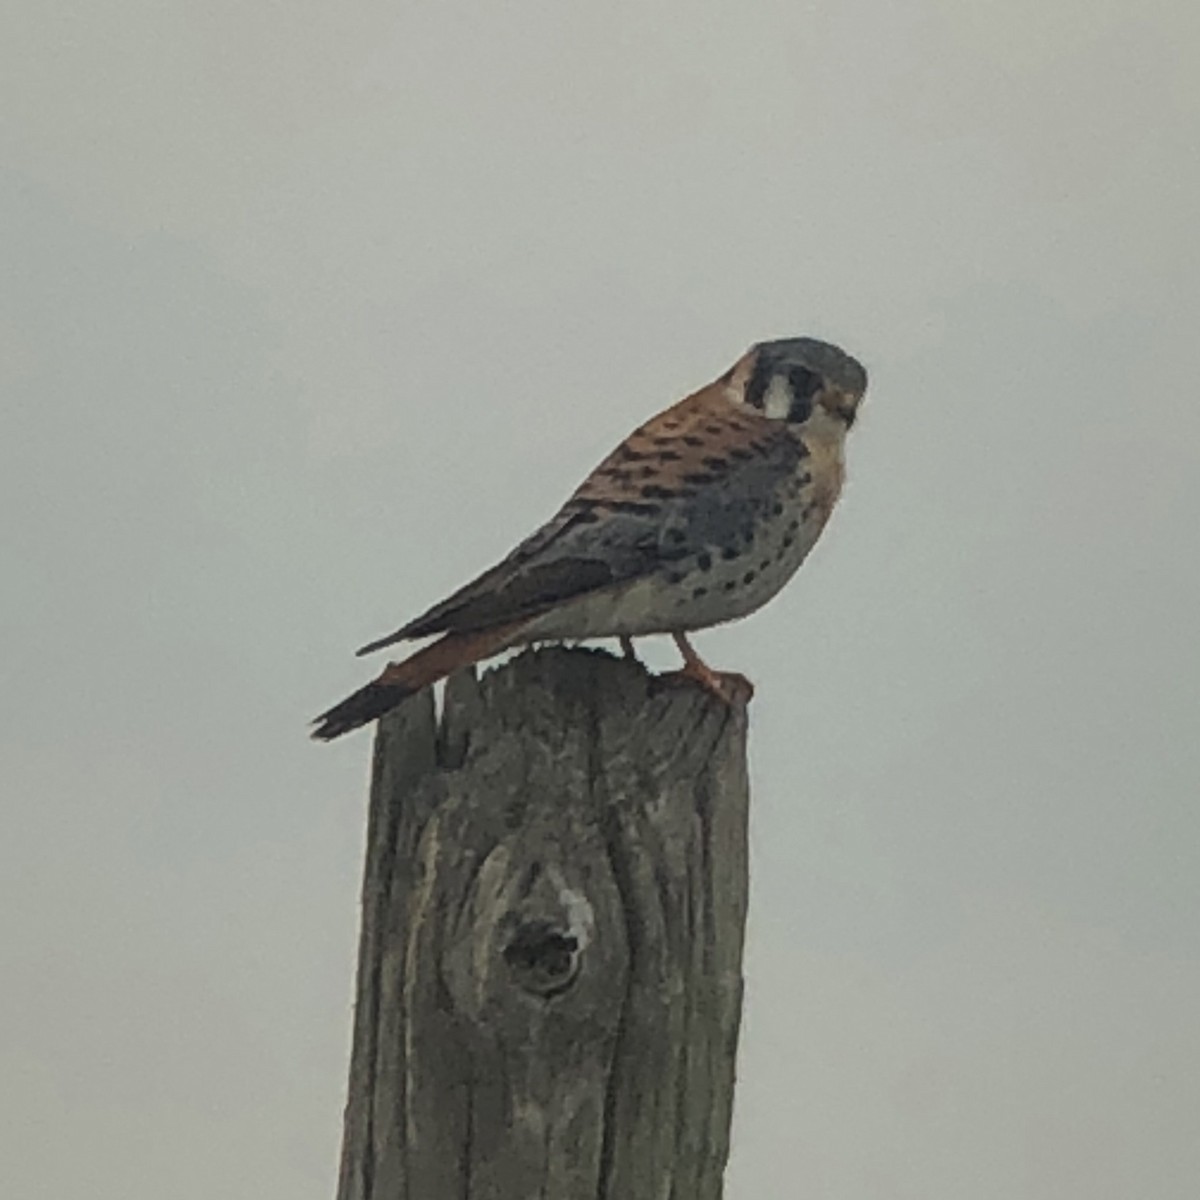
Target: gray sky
[{"x": 310, "y": 311}]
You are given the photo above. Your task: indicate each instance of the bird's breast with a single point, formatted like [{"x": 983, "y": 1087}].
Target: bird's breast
[
  {"x": 729, "y": 568},
  {"x": 738, "y": 574}
]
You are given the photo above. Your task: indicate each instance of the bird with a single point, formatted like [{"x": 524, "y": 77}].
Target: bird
[{"x": 697, "y": 518}]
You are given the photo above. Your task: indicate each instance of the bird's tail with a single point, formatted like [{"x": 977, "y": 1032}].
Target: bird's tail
[{"x": 403, "y": 679}]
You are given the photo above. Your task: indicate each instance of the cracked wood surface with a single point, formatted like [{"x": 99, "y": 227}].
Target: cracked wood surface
[{"x": 549, "y": 978}]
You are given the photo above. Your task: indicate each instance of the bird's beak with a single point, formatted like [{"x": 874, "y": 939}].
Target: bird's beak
[{"x": 839, "y": 405}]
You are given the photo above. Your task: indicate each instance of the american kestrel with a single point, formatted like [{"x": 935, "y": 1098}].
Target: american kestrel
[{"x": 697, "y": 518}]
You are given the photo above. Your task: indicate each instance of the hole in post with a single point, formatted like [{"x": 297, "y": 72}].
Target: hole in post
[{"x": 543, "y": 958}]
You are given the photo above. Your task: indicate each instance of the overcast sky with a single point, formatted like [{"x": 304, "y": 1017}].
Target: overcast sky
[{"x": 311, "y": 310}]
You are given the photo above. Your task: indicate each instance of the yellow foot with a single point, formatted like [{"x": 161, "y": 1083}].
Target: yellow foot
[{"x": 728, "y": 686}]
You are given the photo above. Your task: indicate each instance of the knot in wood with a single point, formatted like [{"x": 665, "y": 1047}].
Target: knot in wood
[{"x": 543, "y": 958}]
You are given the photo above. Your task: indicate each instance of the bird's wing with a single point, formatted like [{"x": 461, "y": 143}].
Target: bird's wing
[{"x": 691, "y": 476}]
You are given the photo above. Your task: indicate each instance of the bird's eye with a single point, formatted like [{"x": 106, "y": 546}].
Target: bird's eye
[{"x": 804, "y": 385}]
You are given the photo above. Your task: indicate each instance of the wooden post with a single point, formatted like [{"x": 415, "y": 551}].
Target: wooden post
[{"x": 549, "y": 976}]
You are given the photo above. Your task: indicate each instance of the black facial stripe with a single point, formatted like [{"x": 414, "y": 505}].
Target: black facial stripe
[
  {"x": 800, "y": 409},
  {"x": 760, "y": 380},
  {"x": 804, "y": 386},
  {"x": 805, "y": 382}
]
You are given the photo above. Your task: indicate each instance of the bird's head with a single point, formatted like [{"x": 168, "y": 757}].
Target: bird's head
[{"x": 802, "y": 381}]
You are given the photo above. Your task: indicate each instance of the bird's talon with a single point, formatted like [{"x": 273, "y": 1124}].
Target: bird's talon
[
  {"x": 728, "y": 686},
  {"x": 734, "y": 684}
]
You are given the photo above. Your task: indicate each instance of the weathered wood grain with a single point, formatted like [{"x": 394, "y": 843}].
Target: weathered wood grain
[{"x": 549, "y": 981}]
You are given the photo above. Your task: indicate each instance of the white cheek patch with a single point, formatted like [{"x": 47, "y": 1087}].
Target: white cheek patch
[{"x": 777, "y": 401}]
